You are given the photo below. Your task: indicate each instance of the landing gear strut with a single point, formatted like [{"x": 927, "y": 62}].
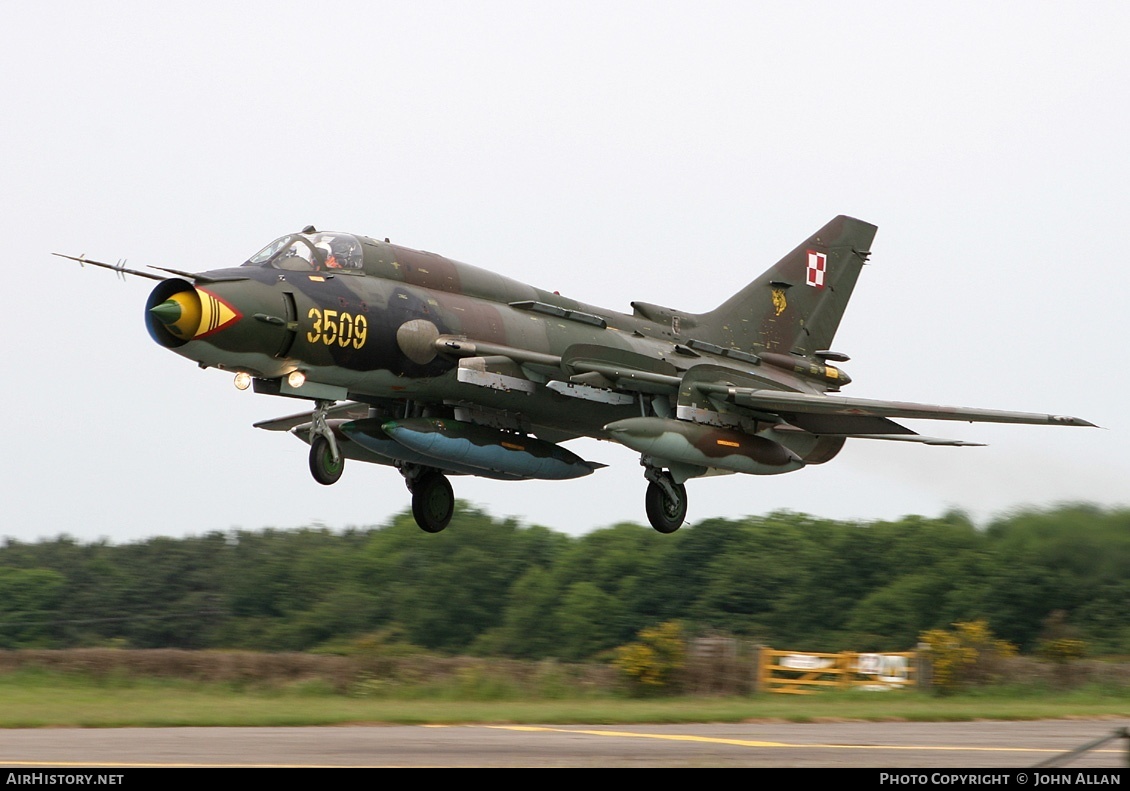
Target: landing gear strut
[
  {"x": 326, "y": 461},
  {"x": 665, "y": 501},
  {"x": 433, "y": 502}
]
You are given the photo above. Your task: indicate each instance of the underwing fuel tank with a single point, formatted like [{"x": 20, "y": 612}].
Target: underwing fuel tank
[
  {"x": 704, "y": 446},
  {"x": 370, "y": 435},
  {"x": 453, "y": 442}
]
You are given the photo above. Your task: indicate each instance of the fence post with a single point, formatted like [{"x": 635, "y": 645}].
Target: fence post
[
  {"x": 924, "y": 669},
  {"x": 758, "y": 668}
]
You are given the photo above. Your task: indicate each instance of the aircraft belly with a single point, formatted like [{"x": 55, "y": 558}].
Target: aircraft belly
[{"x": 542, "y": 407}]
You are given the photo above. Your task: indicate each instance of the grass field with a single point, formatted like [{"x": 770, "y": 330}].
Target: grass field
[{"x": 36, "y": 699}]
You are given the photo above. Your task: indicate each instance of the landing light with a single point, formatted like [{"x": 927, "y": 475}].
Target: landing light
[
  {"x": 242, "y": 380},
  {"x": 296, "y": 379}
]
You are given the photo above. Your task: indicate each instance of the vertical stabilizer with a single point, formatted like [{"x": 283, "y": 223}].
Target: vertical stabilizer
[{"x": 796, "y": 305}]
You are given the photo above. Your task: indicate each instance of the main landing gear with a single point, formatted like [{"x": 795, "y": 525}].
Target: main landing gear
[
  {"x": 433, "y": 502},
  {"x": 665, "y": 500}
]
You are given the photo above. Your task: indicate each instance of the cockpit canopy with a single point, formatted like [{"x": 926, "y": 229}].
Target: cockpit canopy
[{"x": 310, "y": 252}]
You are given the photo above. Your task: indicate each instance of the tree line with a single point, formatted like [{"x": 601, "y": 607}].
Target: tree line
[{"x": 494, "y": 587}]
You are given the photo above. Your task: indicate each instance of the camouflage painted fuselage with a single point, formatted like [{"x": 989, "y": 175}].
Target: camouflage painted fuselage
[{"x": 377, "y": 333}]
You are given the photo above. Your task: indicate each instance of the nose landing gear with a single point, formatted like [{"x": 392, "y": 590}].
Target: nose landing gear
[
  {"x": 323, "y": 466},
  {"x": 326, "y": 461}
]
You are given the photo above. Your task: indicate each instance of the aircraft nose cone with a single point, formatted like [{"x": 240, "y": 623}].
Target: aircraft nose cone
[
  {"x": 182, "y": 312},
  {"x": 168, "y": 312}
]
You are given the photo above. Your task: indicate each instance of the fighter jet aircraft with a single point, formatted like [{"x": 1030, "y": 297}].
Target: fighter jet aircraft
[{"x": 439, "y": 368}]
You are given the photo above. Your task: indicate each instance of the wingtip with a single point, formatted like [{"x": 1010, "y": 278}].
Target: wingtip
[{"x": 1067, "y": 420}]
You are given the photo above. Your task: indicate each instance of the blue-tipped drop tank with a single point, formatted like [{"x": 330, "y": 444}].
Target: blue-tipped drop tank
[{"x": 486, "y": 450}]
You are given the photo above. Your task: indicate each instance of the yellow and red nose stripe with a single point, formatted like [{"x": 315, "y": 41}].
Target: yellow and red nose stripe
[
  {"x": 195, "y": 313},
  {"x": 215, "y": 314}
]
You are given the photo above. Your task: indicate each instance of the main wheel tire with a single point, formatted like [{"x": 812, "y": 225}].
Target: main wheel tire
[
  {"x": 433, "y": 502},
  {"x": 322, "y": 465},
  {"x": 666, "y": 515}
]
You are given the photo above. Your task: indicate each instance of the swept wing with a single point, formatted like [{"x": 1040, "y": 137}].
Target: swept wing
[{"x": 787, "y": 404}]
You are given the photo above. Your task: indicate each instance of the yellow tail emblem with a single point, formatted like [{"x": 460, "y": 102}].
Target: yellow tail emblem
[{"x": 779, "y": 303}]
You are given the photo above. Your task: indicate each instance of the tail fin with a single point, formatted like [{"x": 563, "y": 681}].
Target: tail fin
[{"x": 796, "y": 305}]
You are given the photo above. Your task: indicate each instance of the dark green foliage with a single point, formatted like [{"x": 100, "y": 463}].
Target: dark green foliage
[
  {"x": 493, "y": 587},
  {"x": 29, "y": 599}
]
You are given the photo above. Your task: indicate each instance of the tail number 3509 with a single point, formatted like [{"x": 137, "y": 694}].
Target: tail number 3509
[{"x": 333, "y": 326}]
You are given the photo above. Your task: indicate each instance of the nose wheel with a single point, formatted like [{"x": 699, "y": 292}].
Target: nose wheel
[
  {"x": 326, "y": 461},
  {"x": 323, "y": 466},
  {"x": 665, "y": 501},
  {"x": 433, "y": 501}
]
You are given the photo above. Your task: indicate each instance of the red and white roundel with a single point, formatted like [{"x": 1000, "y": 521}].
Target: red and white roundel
[{"x": 817, "y": 265}]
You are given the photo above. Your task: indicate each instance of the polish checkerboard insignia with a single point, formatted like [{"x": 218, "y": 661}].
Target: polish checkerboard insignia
[{"x": 817, "y": 266}]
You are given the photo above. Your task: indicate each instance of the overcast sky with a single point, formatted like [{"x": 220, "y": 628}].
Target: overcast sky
[{"x": 614, "y": 151}]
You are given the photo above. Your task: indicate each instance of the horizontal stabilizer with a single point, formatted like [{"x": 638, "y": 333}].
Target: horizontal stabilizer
[{"x": 957, "y": 443}]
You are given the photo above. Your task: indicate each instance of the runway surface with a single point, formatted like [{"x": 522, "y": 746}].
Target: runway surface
[{"x": 854, "y": 744}]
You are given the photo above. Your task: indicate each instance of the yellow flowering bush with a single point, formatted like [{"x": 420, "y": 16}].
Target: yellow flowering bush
[
  {"x": 653, "y": 661},
  {"x": 966, "y": 654}
]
